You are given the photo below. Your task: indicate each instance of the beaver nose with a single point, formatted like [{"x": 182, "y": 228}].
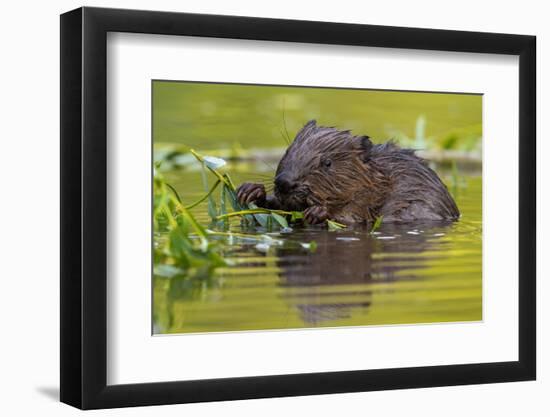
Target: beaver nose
[{"x": 283, "y": 183}]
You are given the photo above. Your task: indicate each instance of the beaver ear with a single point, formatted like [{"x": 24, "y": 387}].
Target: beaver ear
[
  {"x": 311, "y": 123},
  {"x": 307, "y": 130},
  {"x": 365, "y": 146}
]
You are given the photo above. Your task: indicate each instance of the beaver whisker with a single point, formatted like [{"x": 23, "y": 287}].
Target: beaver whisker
[
  {"x": 266, "y": 176},
  {"x": 264, "y": 181}
]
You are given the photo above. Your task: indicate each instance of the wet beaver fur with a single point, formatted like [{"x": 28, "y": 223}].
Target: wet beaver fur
[{"x": 332, "y": 174}]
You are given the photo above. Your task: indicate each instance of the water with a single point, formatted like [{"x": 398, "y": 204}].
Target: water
[
  {"x": 417, "y": 273},
  {"x": 224, "y": 116}
]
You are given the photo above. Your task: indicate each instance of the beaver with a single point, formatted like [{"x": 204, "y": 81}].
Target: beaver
[{"x": 333, "y": 174}]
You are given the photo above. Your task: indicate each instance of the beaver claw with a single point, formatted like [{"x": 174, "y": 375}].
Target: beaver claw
[
  {"x": 315, "y": 214},
  {"x": 250, "y": 192}
]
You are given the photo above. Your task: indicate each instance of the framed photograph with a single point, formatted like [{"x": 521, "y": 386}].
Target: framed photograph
[{"x": 257, "y": 208}]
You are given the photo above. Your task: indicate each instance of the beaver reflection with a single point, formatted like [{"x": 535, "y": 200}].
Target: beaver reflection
[{"x": 333, "y": 282}]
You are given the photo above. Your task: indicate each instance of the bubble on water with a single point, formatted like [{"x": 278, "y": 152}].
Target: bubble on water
[{"x": 347, "y": 238}]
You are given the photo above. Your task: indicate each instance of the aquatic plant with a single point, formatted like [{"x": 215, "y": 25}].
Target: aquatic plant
[
  {"x": 181, "y": 242},
  {"x": 332, "y": 225},
  {"x": 376, "y": 225},
  {"x": 185, "y": 247},
  {"x": 251, "y": 215}
]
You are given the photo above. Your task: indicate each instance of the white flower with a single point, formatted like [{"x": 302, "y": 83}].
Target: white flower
[{"x": 214, "y": 162}]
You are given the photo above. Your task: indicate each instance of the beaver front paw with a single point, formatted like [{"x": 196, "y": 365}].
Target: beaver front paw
[
  {"x": 250, "y": 192},
  {"x": 315, "y": 214}
]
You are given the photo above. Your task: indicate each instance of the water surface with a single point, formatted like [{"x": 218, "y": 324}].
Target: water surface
[
  {"x": 416, "y": 273},
  {"x": 408, "y": 273}
]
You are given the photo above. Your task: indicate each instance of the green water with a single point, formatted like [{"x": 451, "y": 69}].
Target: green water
[
  {"x": 217, "y": 116},
  {"x": 415, "y": 273}
]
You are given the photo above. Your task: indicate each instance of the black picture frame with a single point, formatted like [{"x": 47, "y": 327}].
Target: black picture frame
[{"x": 84, "y": 207}]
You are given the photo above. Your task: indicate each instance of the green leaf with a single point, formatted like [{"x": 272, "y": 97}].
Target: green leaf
[
  {"x": 296, "y": 215},
  {"x": 223, "y": 197},
  {"x": 212, "y": 209},
  {"x": 377, "y": 224},
  {"x": 280, "y": 219},
  {"x": 332, "y": 225},
  {"x": 261, "y": 218},
  {"x": 311, "y": 246}
]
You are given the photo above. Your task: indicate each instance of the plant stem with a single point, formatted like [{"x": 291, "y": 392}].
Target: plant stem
[
  {"x": 216, "y": 173},
  {"x": 196, "y": 203},
  {"x": 174, "y": 191},
  {"x": 229, "y": 234},
  {"x": 252, "y": 211}
]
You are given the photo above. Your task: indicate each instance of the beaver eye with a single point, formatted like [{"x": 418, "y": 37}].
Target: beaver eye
[{"x": 327, "y": 163}]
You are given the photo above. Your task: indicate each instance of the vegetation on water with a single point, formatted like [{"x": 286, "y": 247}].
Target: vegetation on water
[
  {"x": 377, "y": 224},
  {"x": 181, "y": 243},
  {"x": 250, "y": 215},
  {"x": 184, "y": 246}
]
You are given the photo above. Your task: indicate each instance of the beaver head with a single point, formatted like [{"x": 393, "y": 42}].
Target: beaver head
[{"x": 323, "y": 166}]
